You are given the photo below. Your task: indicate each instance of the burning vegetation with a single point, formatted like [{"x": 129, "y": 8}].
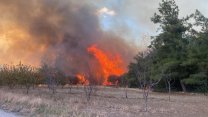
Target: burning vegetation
[
  {"x": 110, "y": 65},
  {"x": 61, "y": 34},
  {"x": 82, "y": 79}
]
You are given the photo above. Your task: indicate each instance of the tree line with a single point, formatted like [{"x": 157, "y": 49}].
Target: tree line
[
  {"x": 178, "y": 54},
  {"x": 26, "y": 76}
]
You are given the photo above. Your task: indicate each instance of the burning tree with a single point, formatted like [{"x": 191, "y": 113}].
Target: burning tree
[
  {"x": 114, "y": 80},
  {"x": 110, "y": 66},
  {"x": 68, "y": 37}
]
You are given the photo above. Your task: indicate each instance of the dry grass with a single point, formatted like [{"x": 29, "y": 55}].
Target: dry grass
[{"x": 107, "y": 102}]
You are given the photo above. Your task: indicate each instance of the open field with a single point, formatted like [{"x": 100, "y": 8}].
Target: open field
[{"x": 106, "y": 102}]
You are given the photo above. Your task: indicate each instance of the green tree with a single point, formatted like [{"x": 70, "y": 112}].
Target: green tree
[
  {"x": 141, "y": 68},
  {"x": 197, "y": 55},
  {"x": 8, "y": 74},
  {"x": 171, "y": 43},
  {"x": 26, "y": 76}
]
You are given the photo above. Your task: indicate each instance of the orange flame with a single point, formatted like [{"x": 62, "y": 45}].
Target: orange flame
[
  {"x": 109, "y": 65},
  {"x": 82, "y": 79}
]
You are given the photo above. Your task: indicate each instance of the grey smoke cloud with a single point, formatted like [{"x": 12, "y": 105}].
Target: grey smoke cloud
[{"x": 58, "y": 33}]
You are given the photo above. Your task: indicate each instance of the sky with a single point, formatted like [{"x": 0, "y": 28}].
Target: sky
[{"x": 135, "y": 16}]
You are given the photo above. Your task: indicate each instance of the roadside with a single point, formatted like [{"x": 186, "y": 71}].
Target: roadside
[{"x": 7, "y": 114}]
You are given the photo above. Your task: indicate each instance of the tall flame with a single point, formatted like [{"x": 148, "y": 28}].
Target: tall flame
[{"x": 109, "y": 65}]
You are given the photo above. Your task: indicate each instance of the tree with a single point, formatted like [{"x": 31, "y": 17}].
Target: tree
[
  {"x": 169, "y": 73},
  {"x": 125, "y": 83},
  {"x": 142, "y": 68},
  {"x": 181, "y": 48},
  {"x": 197, "y": 55},
  {"x": 49, "y": 74},
  {"x": 114, "y": 80},
  {"x": 25, "y": 75},
  {"x": 171, "y": 43},
  {"x": 90, "y": 87},
  {"x": 91, "y": 82},
  {"x": 18, "y": 75},
  {"x": 8, "y": 74},
  {"x": 61, "y": 77}
]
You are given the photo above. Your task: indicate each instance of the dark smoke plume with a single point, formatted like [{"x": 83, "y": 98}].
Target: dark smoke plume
[{"x": 57, "y": 32}]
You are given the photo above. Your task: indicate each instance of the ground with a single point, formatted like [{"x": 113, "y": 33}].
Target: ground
[
  {"x": 105, "y": 102},
  {"x": 6, "y": 114}
]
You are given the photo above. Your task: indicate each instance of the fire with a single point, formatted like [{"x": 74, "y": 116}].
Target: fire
[
  {"x": 109, "y": 65},
  {"x": 82, "y": 79}
]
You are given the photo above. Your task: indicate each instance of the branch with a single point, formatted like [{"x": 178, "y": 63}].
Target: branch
[{"x": 153, "y": 84}]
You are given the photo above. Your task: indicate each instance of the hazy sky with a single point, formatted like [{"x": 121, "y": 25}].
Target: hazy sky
[{"x": 135, "y": 15}]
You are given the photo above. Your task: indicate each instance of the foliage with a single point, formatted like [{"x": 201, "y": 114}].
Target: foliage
[
  {"x": 180, "y": 50},
  {"x": 18, "y": 75}
]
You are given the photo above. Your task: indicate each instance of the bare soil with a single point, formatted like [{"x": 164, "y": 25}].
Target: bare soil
[{"x": 106, "y": 102}]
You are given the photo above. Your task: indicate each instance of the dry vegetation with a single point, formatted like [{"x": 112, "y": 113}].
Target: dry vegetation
[{"x": 106, "y": 102}]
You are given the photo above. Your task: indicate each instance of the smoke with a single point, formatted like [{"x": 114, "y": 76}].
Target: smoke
[{"x": 57, "y": 33}]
